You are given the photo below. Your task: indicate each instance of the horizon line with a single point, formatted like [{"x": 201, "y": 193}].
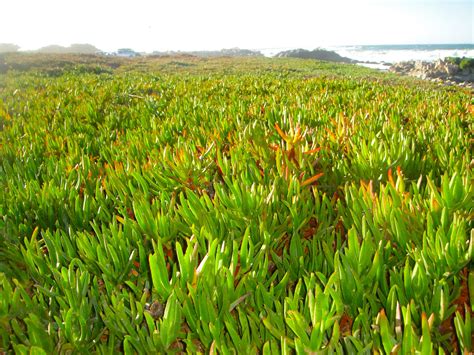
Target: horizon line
[{"x": 246, "y": 48}]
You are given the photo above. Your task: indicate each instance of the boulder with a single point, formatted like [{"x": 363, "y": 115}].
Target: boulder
[
  {"x": 402, "y": 67},
  {"x": 440, "y": 69},
  {"x": 451, "y": 69}
]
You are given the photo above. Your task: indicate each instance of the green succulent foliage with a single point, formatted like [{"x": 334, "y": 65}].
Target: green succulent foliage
[
  {"x": 467, "y": 63},
  {"x": 232, "y": 206},
  {"x": 464, "y": 63}
]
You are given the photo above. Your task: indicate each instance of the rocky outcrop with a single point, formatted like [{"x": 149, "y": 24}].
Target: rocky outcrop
[
  {"x": 238, "y": 52},
  {"x": 231, "y": 52},
  {"x": 319, "y": 54},
  {"x": 440, "y": 70}
]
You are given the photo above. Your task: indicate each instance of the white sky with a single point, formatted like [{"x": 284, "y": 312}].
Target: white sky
[{"x": 147, "y": 25}]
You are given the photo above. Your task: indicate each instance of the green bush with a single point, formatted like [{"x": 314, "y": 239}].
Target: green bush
[
  {"x": 453, "y": 60},
  {"x": 466, "y": 63}
]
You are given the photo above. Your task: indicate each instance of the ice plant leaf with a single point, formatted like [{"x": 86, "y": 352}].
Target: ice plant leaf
[{"x": 311, "y": 179}]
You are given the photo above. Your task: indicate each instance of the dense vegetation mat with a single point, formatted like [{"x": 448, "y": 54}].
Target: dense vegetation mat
[{"x": 232, "y": 206}]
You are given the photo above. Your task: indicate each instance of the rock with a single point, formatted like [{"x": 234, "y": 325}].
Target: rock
[
  {"x": 439, "y": 70},
  {"x": 403, "y": 67},
  {"x": 319, "y": 54},
  {"x": 451, "y": 69}
]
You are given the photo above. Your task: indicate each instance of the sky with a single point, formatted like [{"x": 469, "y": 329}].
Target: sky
[{"x": 148, "y": 25}]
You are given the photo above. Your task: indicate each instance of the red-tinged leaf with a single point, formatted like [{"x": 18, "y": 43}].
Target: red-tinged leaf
[
  {"x": 371, "y": 188},
  {"x": 390, "y": 177},
  {"x": 219, "y": 169},
  {"x": 274, "y": 147},
  {"x": 237, "y": 267},
  {"x": 345, "y": 324},
  {"x": 105, "y": 335},
  {"x": 309, "y": 232},
  {"x": 312, "y": 151},
  {"x": 399, "y": 171},
  {"x": 292, "y": 156},
  {"x": 335, "y": 197},
  {"x": 280, "y": 132},
  {"x": 312, "y": 179},
  {"x": 297, "y": 136},
  {"x": 130, "y": 213},
  {"x": 333, "y": 136},
  {"x": 311, "y": 228},
  {"x": 168, "y": 252},
  {"x": 118, "y": 166},
  {"x": 260, "y": 169}
]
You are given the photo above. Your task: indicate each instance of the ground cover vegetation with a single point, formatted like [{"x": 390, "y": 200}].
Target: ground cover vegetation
[{"x": 232, "y": 206}]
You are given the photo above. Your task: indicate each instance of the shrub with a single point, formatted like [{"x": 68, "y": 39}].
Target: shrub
[
  {"x": 453, "y": 60},
  {"x": 466, "y": 63}
]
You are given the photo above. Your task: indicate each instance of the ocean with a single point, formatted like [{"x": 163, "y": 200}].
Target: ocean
[
  {"x": 381, "y": 56},
  {"x": 400, "y": 53}
]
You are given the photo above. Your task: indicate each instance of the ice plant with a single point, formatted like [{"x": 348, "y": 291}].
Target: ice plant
[{"x": 232, "y": 205}]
